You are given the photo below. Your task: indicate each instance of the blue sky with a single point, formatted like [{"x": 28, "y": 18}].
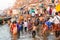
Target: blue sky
[{"x": 6, "y": 4}]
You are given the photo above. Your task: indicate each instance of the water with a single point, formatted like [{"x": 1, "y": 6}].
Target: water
[{"x": 5, "y": 34}]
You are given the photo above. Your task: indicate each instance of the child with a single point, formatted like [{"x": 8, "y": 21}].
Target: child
[
  {"x": 25, "y": 25},
  {"x": 33, "y": 31}
]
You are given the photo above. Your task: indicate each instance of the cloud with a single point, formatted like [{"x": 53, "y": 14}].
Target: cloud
[{"x": 6, "y": 4}]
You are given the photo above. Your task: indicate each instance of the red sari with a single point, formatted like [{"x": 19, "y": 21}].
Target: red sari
[{"x": 13, "y": 29}]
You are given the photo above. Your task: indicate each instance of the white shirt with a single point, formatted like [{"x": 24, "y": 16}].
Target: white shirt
[
  {"x": 51, "y": 19},
  {"x": 25, "y": 24},
  {"x": 33, "y": 14},
  {"x": 56, "y": 20}
]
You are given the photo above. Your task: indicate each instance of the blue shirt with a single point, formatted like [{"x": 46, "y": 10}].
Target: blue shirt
[{"x": 48, "y": 24}]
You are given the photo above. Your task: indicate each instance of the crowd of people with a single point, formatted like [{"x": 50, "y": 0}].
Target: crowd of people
[
  {"x": 38, "y": 22},
  {"x": 35, "y": 24}
]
